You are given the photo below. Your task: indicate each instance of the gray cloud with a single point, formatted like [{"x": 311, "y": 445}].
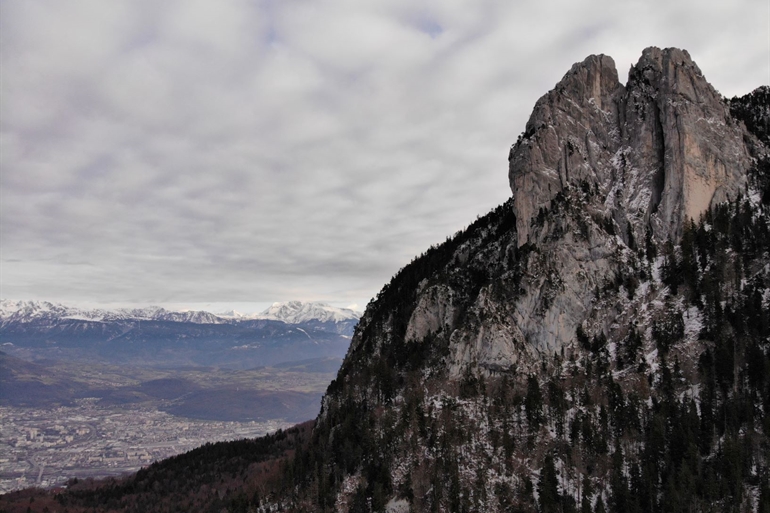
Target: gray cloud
[{"x": 256, "y": 150}]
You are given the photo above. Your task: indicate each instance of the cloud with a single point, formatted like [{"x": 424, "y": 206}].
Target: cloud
[{"x": 189, "y": 151}]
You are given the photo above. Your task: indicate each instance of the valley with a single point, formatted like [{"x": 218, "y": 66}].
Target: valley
[
  {"x": 49, "y": 447},
  {"x": 62, "y": 420}
]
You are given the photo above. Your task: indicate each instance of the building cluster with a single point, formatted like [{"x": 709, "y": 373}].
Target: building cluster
[{"x": 48, "y": 447}]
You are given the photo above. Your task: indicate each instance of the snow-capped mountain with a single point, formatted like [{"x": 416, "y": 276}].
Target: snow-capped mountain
[
  {"x": 292, "y": 312},
  {"x": 233, "y": 314},
  {"x": 154, "y": 335},
  {"x": 298, "y": 312},
  {"x": 28, "y": 311}
]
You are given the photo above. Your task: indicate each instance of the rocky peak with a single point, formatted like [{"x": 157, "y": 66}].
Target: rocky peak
[
  {"x": 571, "y": 131},
  {"x": 602, "y": 174},
  {"x": 661, "y": 149},
  {"x": 672, "y": 72},
  {"x": 681, "y": 133},
  {"x": 595, "y": 77}
]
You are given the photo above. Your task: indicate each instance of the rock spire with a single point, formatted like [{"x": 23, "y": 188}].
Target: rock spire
[{"x": 661, "y": 150}]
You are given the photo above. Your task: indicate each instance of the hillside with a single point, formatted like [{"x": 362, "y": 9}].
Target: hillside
[{"x": 599, "y": 342}]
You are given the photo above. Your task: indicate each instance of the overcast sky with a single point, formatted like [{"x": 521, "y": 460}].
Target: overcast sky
[{"x": 234, "y": 152}]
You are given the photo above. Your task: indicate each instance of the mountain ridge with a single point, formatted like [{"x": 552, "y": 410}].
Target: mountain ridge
[
  {"x": 156, "y": 337},
  {"x": 304, "y": 311},
  {"x": 297, "y": 312}
]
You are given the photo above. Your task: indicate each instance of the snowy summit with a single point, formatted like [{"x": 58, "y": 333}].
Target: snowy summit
[
  {"x": 292, "y": 312},
  {"x": 297, "y": 312}
]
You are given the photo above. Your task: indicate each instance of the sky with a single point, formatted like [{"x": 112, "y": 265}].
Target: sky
[{"x": 236, "y": 153}]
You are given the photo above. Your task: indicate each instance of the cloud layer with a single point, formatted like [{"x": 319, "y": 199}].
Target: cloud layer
[{"x": 193, "y": 151}]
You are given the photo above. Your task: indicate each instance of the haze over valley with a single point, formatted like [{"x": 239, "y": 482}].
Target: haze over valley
[{"x": 91, "y": 393}]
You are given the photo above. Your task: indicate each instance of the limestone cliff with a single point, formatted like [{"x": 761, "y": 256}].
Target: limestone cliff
[
  {"x": 601, "y": 171},
  {"x": 661, "y": 150},
  {"x": 628, "y": 165}
]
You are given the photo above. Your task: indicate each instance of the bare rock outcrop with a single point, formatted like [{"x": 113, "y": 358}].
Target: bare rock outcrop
[
  {"x": 600, "y": 169},
  {"x": 662, "y": 149},
  {"x": 570, "y": 136},
  {"x": 602, "y": 172}
]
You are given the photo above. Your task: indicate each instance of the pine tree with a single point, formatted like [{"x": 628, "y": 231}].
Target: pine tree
[
  {"x": 619, "y": 498},
  {"x": 548, "y": 487},
  {"x": 585, "y": 501},
  {"x": 533, "y": 404}
]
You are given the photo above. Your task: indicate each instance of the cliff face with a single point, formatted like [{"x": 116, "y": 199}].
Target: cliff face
[
  {"x": 600, "y": 171},
  {"x": 648, "y": 156},
  {"x": 660, "y": 150},
  {"x": 602, "y": 174}
]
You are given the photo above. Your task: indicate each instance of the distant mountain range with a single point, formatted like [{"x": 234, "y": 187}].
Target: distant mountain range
[
  {"x": 291, "y": 312},
  {"x": 297, "y": 312},
  {"x": 155, "y": 336}
]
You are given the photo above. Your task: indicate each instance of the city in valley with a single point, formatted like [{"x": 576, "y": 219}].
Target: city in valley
[
  {"x": 66, "y": 420},
  {"x": 48, "y": 446}
]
